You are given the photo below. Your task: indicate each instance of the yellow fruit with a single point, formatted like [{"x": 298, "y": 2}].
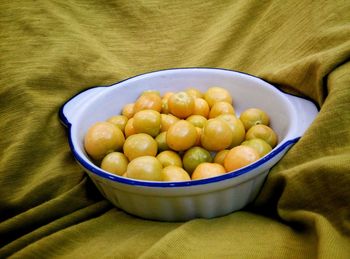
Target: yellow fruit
[
  {"x": 219, "y": 108},
  {"x": 181, "y": 135},
  {"x": 216, "y": 135},
  {"x": 145, "y": 168},
  {"x": 237, "y": 128},
  {"x": 169, "y": 157},
  {"x": 140, "y": 144},
  {"x": 259, "y": 145},
  {"x": 119, "y": 121},
  {"x": 217, "y": 94},
  {"x": 129, "y": 128},
  {"x": 194, "y": 92},
  {"x": 197, "y": 120},
  {"x": 201, "y": 107},
  {"x": 220, "y": 156},
  {"x": 103, "y": 138},
  {"x": 263, "y": 132},
  {"x": 239, "y": 157},
  {"x": 165, "y": 106},
  {"x": 254, "y": 116},
  {"x": 207, "y": 170},
  {"x": 115, "y": 162},
  {"x": 149, "y": 101},
  {"x": 199, "y": 135},
  {"x": 147, "y": 121},
  {"x": 128, "y": 110},
  {"x": 174, "y": 173},
  {"x": 181, "y": 104},
  {"x": 166, "y": 120},
  {"x": 161, "y": 141}
]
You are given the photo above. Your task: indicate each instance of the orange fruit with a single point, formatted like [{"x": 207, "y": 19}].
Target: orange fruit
[
  {"x": 169, "y": 157},
  {"x": 201, "y": 107},
  {"x": 263, "y": 132},
  {"x": 140, "y": 144},
  {"x": 254, "y": 116},
  {"x": 129, "y": 128},
  {"x": 216, "y": 135},
  {"x": 181, "y": 135},
  {"x": 239, "y": 157},
  {"x": 217, "y": 94},
  {"x": 166, "y": 120},
  {"x": 145, "y": 168},
  {"x": 165, "y": 106},
  {"x": 128, "y": 110},
  {"x": 219, "y": 108},
  {"x": 119, "y": 121},
  {"x": 199, "y": 135},
  {"x": 174, "y": 173},
  {"x": 181, "y": 104},
  {"x": 115, "y": 162},
  {"x": 207, "y": 170},
  {"x": 197, "y": 120},
  {"x": 220, "y": 156},
  {"x": 147, "y": 121},
  {"x": 259, "y": 145},
  {"x": 103, "y": 138},
  {"x": 237, "y": 128},
  {"x": 194, "y": 92},
  {"x": 149, "y": 101}
]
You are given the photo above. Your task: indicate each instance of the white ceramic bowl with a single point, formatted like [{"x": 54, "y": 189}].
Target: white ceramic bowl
[{"x": 206, "y": 198}]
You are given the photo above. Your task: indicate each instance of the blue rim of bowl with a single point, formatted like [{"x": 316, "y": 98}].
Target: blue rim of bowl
[{"x": 129, "y": 181}]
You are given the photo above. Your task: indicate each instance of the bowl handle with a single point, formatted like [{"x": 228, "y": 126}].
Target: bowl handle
[
  {"x": 68, "y": 109},
  {"x": 306, "y": 112}
]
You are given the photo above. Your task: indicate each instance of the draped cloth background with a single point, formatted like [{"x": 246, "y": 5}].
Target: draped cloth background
[{"x": 51, "y": 50}]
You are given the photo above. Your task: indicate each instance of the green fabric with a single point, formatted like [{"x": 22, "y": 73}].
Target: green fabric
[{"x": 51, "y": 50}]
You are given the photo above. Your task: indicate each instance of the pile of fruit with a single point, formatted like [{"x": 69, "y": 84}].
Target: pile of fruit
[{"x": 180, "y": 136}]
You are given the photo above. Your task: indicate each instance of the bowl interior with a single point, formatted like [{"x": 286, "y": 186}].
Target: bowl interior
[{"x": 247, "y": 92}]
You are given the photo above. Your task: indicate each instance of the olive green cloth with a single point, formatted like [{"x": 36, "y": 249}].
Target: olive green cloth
[{"x": 51, "y": 50}]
